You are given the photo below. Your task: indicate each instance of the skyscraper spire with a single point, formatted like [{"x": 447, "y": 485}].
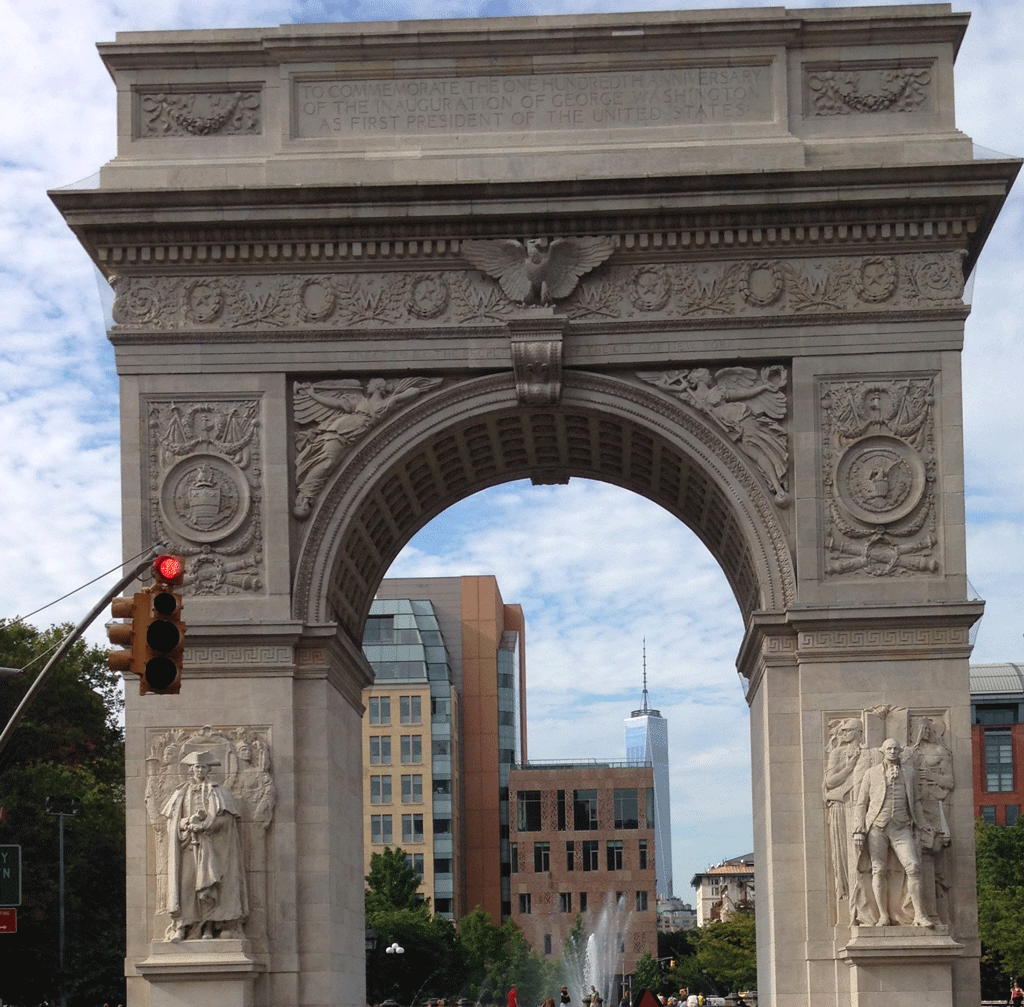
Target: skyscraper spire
[{"x": 645, "y": 674}]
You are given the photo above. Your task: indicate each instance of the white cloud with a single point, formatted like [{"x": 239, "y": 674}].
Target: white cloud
[{"x": 579, "y": 558}]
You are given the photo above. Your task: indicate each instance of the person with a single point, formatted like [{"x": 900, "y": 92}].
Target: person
[
  {"x": 205, "y": 874},
  {"x": 513, "y": 997},
  {"x": 595, "y": 997},
  {"x": 691, "y": 1000},
  {"x": 887, "y": 813},
  {"x": 624, "y": 1002},
  {"x": 563, "y": 996},
  {"x": 1016, "y": 994},
  {"x": 550, "y": 1002}
]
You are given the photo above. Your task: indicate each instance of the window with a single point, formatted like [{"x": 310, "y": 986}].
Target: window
[
  {"x": 380, "y": 709},
  {"x": 441, "y": 711},
  {"x": 988, "y": 813},
  {"x": 442, "y": 826},
  {"x": 514, "y": 850},
  {"x": 998, "y": 761},
  {"x": 541, "y": 857},
  {"x": 641, "y": 902},
  {"x": 380, "y": 829},
  {"x": 565, "y": 902},
  {"x": 506, "y": 718},
  {"x": 570, "y": 856},
  {"x": 412, "y": 789},
  {"x": 442, "y": 865},
  {"x": 380, "y": 750},
  {"x": 643, "y": 854},
  {"x": 409, "y": 709},
  {"x": 412, "y": 828},
  {"x": 590, "y": 847},
  {"x": 615, "y": 854},
  {"x": 441, "y": 747},
  {"x": 561, "y": 810},
  {"x": 650, "y": 808},
  {"x": 528, "y": 807},
  {"x": 524, "y": 904},
  {"x": 380, "y": 789},
  {"x": 507, "y": 756},
  {"x": 547, "y": 944},
  {"x": 583, "y": 902},
  {"x": 627, "y": 809},
  {"x": 412, "y": 748},
  {"x": 1012, "y": 813},
  {"x": 443, "y": 786},
  {"x": 995, "y": 714},
  {"x": 443, "y": 905},
  {"x": 584, "y": 810},
  {"x": 379, "y": 629},
  {"x": 415, "y": 861}
]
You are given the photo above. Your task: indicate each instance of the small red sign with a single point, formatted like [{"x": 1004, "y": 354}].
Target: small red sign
[{"x": 8, "y": 921}]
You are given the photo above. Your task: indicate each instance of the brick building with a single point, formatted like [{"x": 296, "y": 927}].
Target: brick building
[
  {"x": 997, "y": 742},
  {"x": 582, "y": 841}
]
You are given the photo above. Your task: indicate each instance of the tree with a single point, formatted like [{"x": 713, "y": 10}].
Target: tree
[
  {"x": 647, "y": 974},
  {"x": 69, "y": 742},
  {"x": 727, "y": 951},
  {"x": 483, "y": 946},
  {"x": 1000, "y": 903},
  {"x": 391, "y": 883}
]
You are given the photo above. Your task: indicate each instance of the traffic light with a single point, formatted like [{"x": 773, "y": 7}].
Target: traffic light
[
  {"x": 164, "y": 630},
  {"x": 129, "y": 634}
]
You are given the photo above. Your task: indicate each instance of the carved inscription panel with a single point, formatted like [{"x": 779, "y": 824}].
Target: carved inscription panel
[{"x": 680, "y": 96}]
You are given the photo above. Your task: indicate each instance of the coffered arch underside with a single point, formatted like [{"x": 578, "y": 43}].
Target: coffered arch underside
[{"x": 474, "y": 434}]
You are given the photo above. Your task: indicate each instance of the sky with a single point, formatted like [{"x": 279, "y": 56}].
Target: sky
[{"x": 578, "y": 558}]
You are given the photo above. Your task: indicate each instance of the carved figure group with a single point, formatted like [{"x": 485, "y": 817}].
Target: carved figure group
[{"x": 887, "y": 827}]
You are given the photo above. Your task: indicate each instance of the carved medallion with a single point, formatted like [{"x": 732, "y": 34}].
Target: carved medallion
[
  {"x": 317, "y": 299},
  {"x": 875, "y": 280},
  {"x": 204, "y": 301},
  {"x": 205, "y": 498},
  {"x": 649, "y": 288},
  {"x": 428, "y": 296},
  {"x": 880, "y": 479},
  {"x": 762, "y": 283}
]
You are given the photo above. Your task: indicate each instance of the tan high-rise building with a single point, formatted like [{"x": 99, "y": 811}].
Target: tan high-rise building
[{"x": 445, "y": 719}]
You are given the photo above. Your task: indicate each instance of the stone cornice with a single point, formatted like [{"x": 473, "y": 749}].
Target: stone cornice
[
  {"x": 468, "y": 38},
  {"x": 902, "y": 207}
]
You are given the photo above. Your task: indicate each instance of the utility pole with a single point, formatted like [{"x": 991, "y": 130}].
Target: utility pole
[{"x": 62, "y": 806}]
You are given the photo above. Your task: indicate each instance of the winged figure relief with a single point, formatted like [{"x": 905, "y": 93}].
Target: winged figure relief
[
  {"x": 331, "y": 416},
  {"x": 539, "y": 271}
]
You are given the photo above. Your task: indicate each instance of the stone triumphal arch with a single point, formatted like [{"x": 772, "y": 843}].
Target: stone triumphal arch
[{"x": 362, "y": 271}]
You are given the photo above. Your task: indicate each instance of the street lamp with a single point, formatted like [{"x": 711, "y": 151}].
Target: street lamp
[
  {"x": 394, "y": 949},
  {"x": 62, "y": 806}
]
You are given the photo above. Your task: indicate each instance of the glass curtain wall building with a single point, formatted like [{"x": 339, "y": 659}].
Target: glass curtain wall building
[{"x": 647, "y": 743}]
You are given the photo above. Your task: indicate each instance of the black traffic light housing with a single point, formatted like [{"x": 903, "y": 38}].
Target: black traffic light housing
[{"x": 164, "y": 630}]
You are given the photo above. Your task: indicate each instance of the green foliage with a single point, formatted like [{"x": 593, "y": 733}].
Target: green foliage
[
  {"x": 647, "y": 975},
  {"x": 483, "y": 946},
  {"x": 522, "y": 967},
  {"x": 432, "y": 963},
  {"x": 69, "y": 742},
  {"x": 1000, "y": 903},
  {"x": 391, "y": 883},
  {"x": 717, "y": 958}
]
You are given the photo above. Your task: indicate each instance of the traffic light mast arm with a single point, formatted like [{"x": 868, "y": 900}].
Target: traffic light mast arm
[{"x": 69, "y": 641}]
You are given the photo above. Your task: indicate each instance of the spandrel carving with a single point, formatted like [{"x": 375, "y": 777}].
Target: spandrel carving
[
  {"x": 887, "y": 828},
  {"x": 205, "y": 485},
  {"x": 539, "y": 271},
  {"x": 747, "y": 404},
  {"x": 210, "y": 799},
  {"x": 331, "y": 416},
  {"x": 879, "y": 473}
]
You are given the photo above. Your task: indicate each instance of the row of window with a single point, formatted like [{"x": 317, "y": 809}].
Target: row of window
[
  {"x": 565, "y": 903},
  {"x": 412, "y": 789},
  {"x": 590, "y": 850},
  {"x": 998, "y": 762},
  {"x": 409, "y": 710},
  {"x": 381, "y": 830},
  {"x": 442, "y": 865},
  {"x": 380, "y": 749},
  {"x": 581, "y": 809},
  {"x": 988, "y": 813}
]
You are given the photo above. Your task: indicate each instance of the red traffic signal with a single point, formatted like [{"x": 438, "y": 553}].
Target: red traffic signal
[{"x": 168, "y": 569}]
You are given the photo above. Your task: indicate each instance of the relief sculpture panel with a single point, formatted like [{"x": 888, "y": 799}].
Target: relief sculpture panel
[
  {"x": 888, "y": 775},
  {"x": 205, "y": 490},
  {"x": 210, "y": 799},
  {"x": 879, "y": 473}
]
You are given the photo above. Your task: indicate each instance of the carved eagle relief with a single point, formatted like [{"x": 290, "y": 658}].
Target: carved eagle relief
[{"x": 538, "y": 272}]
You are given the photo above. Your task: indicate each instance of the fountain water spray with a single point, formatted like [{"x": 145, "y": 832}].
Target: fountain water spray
[{"x": 601, "y": 959}]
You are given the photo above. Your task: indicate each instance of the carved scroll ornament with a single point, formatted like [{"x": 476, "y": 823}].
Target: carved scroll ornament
[
  {"x": 210, "y": 798},
  {"x": 205, "y": 490},
  {"x": 747, "y": 404},
  {"x": 879, "y": 475},
  {"x": 331, "y": 416},
  {"x": 888, "y": 777}
]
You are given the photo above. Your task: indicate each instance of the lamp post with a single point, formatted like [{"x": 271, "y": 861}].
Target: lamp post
[
  {"x": 62, "y": 806},
  {"x": 394, "y": 949}
]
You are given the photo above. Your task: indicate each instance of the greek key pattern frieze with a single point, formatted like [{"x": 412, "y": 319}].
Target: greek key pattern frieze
[
  {"x": 883, "y": 638},
  {"x": 239, "y": 657},
  {"x": 205, "y": 485},
  {"x": 879, "y": 472},
  {"x": 754, "y": 288}
]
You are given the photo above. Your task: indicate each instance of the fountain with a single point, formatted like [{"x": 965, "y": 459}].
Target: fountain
[{"x": 602, "y": 958}]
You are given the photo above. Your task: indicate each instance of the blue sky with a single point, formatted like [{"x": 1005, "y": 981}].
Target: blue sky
[{"x": 579, "y": 557}]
